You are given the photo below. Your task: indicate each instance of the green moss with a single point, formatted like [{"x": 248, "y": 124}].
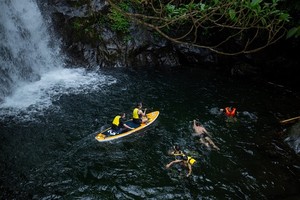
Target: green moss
[
  {"x": 85, "y": 29},
  {"x": 118, "y": 21}
]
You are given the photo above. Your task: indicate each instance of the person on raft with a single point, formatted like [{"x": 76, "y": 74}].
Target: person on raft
[
  {"x": 118, "y": 125},
  {"x": 138, "y": 116}
]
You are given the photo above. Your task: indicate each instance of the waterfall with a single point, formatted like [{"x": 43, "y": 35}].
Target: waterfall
[
  {"x": 25, "y": 45},
  {"x": 32, "y": 69}
]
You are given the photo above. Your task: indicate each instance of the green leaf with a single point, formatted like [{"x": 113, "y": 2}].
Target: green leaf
[
  {"x": 170, "y": 7},
  {"x": 202, "y": 6},
  {"x": 293, "y": 32},
  {"x": 263, "y": 21},
  {"x": 284, "y": 17},
  {"x": 232, "y": 14},
  {"x": 255, "y": 3}
]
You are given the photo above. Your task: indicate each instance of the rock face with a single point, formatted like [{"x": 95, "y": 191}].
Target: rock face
[
  {"x": 96, "y": 43},
  {"x": 89, "y": 39},
  {"x": 293, "y": 138}
]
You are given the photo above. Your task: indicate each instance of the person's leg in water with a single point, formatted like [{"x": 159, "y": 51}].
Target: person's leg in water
[
  {"x": 204, "y": 142},
  {"x": 211, "y": 143}
]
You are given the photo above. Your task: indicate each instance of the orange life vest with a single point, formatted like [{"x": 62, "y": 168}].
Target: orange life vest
[{"x": 230, "y": 113}]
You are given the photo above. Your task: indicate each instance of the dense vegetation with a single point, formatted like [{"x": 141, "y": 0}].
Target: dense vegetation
[{"x": 226, "y": 27}]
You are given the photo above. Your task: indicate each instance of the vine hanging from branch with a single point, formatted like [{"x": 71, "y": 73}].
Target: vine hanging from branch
[{"x": 225, "y": 27}]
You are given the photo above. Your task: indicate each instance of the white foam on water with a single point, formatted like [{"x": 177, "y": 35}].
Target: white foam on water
[
  {"x": 51, "y": 86},
  {"x": 32, "y": 67}
]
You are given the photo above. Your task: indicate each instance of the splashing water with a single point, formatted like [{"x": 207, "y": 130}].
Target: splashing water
[
  {"x": 52, "y": 85},
  {"x": 32, "y": 72}
]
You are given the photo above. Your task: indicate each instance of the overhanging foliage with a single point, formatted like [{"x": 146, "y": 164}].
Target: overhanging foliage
[{"x": 225, "y": 27}]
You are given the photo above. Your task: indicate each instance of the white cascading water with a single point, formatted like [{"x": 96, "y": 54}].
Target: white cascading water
[{"x": 32, "y": 72}]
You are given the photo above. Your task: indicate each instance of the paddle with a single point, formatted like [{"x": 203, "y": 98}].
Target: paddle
[{"x": 289, "y": 120}]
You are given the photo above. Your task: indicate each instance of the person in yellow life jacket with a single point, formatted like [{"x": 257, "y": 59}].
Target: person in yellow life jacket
[
  {"x": 186, "y": 162},
  {"x": 138, "y": 116},
  {"x": 177, "y": 152},
  {"x": 118, "y": 125}
]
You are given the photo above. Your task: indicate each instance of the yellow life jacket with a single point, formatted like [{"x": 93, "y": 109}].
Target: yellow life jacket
[
  {"x": 191, "y": 160},
  {"x": 116, "y": 120},
  {"x": 135, "y": 114},
  {"x": 178, "y": 155}
]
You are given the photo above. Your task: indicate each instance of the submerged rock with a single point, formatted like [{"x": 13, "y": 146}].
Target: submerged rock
[{"x": 293, "y": 139}]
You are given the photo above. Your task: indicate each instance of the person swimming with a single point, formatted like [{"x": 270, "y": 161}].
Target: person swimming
[
  {"x": 177, "y": 152},
  {"x": 186, "y": 162},
  {"x": 203, "y": 135}
]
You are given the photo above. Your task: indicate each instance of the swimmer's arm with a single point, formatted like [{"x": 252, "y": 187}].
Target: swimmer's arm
[
  {"x": 173, "y": 162},
  {"x": 194, "y": 124},
  {"x": 190, "y": 170}
]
